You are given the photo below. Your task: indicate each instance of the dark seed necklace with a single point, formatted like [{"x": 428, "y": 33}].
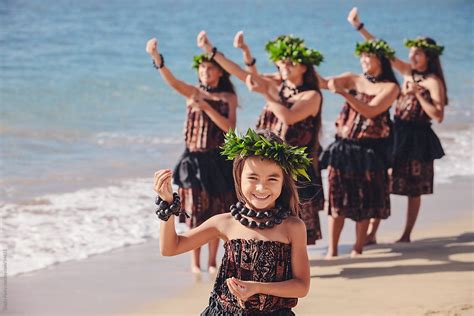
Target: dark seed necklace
[
  {"x": 371, "y": 78},
  {"x": 209, "y": 88},
  {"x": 422, "y": 74},
  {"x": 287, "y": 92},
  {"x": 273, "y": 217}
]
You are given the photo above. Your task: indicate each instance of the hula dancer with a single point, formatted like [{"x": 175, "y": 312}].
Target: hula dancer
[
  {"x": 357, "y": 161},
  {"x": 416, "y": 146},
  {"x": 292, "y": 110},
  {"x": 265, "y": 268},
  {"x": 203, "y": 176}
]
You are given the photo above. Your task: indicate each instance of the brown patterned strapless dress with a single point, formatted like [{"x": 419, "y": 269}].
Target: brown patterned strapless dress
[
  {"x": 204, "y": 177},
  {"x": 357, "y": 163},
  {"x": 415, "y": 147},
  {"x": 252, "y": 260},
  {"x": 301, "y": 134}
]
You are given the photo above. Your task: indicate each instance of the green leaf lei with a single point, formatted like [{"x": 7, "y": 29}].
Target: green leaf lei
[
  {"x": 378, "y": 47},
  {"x": 199, "y": 59},
  {"x": 292, "y": 159},
  {"x": 422, "y": 43},
  {"x": 294, "y": 49}
]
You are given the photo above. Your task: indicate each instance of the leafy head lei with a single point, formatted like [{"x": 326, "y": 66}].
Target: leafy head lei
[
  {"x": 199, "y": 59},
  {"x": 423, "y": 43},
  {"x": 377, "y": 47},
  {"x": 292, "y": 159},
  {"x": 294, "y": 49}
]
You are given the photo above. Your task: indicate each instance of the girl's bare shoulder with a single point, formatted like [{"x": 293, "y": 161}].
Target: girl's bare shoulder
[{"x": 294, "y": 222}]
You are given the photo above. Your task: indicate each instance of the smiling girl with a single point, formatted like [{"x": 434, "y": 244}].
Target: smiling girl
[{"x": 265, "y": 267}]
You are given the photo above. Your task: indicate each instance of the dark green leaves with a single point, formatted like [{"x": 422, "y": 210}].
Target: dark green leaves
[
  {"x": 199, "y": 59},
  {"x": 422, "y": 43},
  {"x": 377, "y": 47},
  {"x": 294, "y": 49},
  {"x": 291, "y": 158}
]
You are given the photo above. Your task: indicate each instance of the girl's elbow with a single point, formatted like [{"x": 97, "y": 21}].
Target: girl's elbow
[
  {"x": 304, "y": 291},
  {"x": 166, "y": 251}
]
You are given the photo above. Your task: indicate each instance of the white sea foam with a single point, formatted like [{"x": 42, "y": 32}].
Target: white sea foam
[
  {"x": 117, "y": 138},
  {"x": 459, "y": 160},
  {"x": 72, "y": 226}
]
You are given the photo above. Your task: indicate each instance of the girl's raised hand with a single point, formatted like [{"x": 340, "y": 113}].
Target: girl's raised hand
[
  {"x": 151, "y": 46},
  {"x": 203, "y": 42},
  {"x": 239, "y": 40},
  {"x": 353, "y": 17},
  {"x": 163, "y": 184}
]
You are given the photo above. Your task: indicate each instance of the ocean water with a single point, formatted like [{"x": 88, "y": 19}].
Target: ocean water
[{"x": 85, "y": 119}]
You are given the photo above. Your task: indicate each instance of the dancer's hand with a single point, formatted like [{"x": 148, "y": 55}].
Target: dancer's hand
[
  {"x": 243, "y": 290},
  {"x": 353, "y": 17},
  {"x": 239, "y": 41},
  {"x": 413, "y": 88},
  {"x": 197, "y": 102},
  {"x": 255, "y": 86},
  {"x": 334, "y": 86},
  {"x": 151, "y": 47},
  {"x": 204, "y": 42},
  {"x": 163, "y": 184}
]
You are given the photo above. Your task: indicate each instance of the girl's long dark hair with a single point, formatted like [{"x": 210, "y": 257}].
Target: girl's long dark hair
[
  {"x": 311, "y": 82},
  {"x": 434, "y": 66},
  {"x": 387, "y": 73}
]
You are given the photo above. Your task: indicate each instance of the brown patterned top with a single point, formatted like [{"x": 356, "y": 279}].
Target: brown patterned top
[
  {"x": 300, "y": 134},
  {"x": 254, "y": 260},
  {"x": 200, "y": 132},
  {"x": 409, "y": 108},
  {"x": 351, "y": 124}
]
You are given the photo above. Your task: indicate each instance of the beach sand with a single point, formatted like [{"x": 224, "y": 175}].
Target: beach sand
[{"x": 431, "y": 276}]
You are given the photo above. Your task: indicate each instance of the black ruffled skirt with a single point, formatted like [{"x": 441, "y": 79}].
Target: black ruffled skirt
[
  {"x": 415, "y": 141},
  {"x": 216, "y": 309},
  {"x": 358, "y": 182},
  {"x": 206, "y": 171},
  {"x": 415, "y": 148},
  {"x": 357, "y": 156}
]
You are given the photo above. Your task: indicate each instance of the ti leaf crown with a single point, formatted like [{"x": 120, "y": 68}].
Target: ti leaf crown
[{"x": 292, "y": 159}]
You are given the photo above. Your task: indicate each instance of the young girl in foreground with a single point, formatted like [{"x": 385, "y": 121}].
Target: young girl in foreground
[{"x": 265, "y": 267}]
